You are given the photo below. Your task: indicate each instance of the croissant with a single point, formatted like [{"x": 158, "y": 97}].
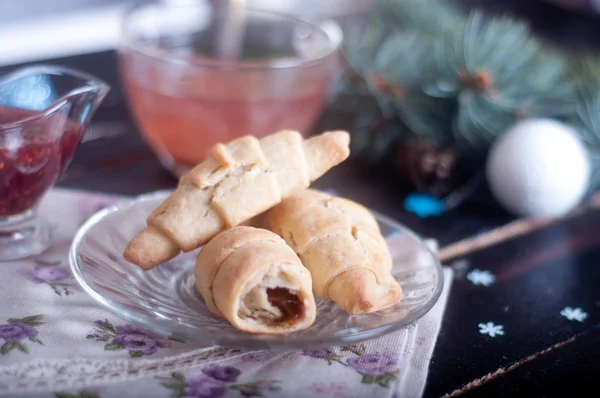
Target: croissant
[
  {"x": 235, "y": 182},
  {"x": 252, "y": 278},
  {"x": 340, "y": 243}
]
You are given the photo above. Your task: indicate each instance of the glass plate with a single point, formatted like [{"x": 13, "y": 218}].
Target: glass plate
[{"x": 165, "y": 300}]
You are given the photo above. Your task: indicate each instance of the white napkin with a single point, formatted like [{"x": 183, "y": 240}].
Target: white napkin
[{"x": 55, "y": 340}]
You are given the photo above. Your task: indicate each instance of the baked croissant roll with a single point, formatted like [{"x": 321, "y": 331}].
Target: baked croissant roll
[
  {"x": 340, "y": 243},
  {"x": 252, "y": 278},
  {"x": 235, "y": 182}
]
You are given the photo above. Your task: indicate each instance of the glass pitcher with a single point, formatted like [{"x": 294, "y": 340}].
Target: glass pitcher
[{"x": 44, "y": 111}]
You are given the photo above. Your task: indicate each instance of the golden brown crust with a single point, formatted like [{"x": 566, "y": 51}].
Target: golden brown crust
[
  {"x": 359, "y": 291},
  {"x": 149, "y": 244},
  {"x": 340, "y": 243},
  {"x": 217, "y": 250},
  {"x": 236, "y": 182},
  {"x": 331, "y": 147},
  {"x": 286, "y": 150},
  {"x": 186, "y": 217},
  {"x": 236, "y": 270}
]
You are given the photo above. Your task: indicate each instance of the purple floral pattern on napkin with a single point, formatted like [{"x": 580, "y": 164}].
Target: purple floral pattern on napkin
[
  {"x": 214, "y": 381},
  {"x": 333, "y": 389},
  {"x": 327, "y": 354},
  {"x": 52, "y": 274},
  {"x": 204, "y": 387},
  {"x": 375, "y": 368},
  {"x": 17, "y": 331},
  {"x": 137, "y": 341},
  {"x": 223, "y": 373},
  {"x": 373, "y": 364},
  {"x": 255, "y": 357}
]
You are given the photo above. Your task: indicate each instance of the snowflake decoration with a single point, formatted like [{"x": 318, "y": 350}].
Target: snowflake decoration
[
  {"x": 479, "y": 277},
  {"x": 574, "y": 314},
  {"x": 491, "y": 329}
]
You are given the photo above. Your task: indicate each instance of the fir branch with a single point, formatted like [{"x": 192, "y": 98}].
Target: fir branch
[
  {"x": 466, "y": 83},
  {"x": 588, "y": 98},
  {"x": 429, "y": 17},
  {"x": 587, "y": 122},
  {"x": 460, "y": 80}
]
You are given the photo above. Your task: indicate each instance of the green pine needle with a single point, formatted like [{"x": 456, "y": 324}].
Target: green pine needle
[{"x": 461, "y": 80}]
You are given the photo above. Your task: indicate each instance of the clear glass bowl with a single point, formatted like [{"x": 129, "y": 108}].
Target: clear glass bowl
[
  {"x": 197, "y": 74},
  {"x": 165, "y": 300}
]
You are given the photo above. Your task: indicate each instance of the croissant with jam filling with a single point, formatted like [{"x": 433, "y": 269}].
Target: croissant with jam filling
[
  {"x": 252, "y": 278},
  {"x": 339, "y": 241}
]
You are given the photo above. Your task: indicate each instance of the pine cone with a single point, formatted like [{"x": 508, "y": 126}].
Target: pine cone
[{"x": 430, "y": 169}]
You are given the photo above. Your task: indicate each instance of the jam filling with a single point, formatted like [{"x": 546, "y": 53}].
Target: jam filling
[
  {"x": 288, "y": 303},
  {"x": 32, "y": 157}
]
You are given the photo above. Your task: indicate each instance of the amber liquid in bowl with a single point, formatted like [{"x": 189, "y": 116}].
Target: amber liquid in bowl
[
  {"x": 183, "y": 118},
  {"x": 32, "y": 157},
  {"x": 187, "y": 94}
]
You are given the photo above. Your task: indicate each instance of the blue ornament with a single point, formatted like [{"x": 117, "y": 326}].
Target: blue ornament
[{"x": 423, "y": 205}]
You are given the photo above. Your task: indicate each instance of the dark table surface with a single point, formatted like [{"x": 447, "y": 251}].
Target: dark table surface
[{"x": 537, "y": 274}]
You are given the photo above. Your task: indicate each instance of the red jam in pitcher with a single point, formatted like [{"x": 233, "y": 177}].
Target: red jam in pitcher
[
  {"x": 33, "y": 154},
  {"x": 44, "y": 110}
]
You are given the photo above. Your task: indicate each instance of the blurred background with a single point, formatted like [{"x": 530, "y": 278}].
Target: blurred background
[
  {"x": 565, "y": 21},
  {"x": 422, "y": 120}
]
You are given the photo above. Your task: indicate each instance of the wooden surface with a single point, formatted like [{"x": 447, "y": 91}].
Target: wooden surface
[{"x": 537, "y": 274}]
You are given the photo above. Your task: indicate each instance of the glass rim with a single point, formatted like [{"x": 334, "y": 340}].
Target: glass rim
[
  {"x": 127, "y": 41},
  {"x": 92, "y": 83}
]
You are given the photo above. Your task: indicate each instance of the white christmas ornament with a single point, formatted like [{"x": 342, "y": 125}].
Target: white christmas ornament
[{"x": 539, "y": 168}]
